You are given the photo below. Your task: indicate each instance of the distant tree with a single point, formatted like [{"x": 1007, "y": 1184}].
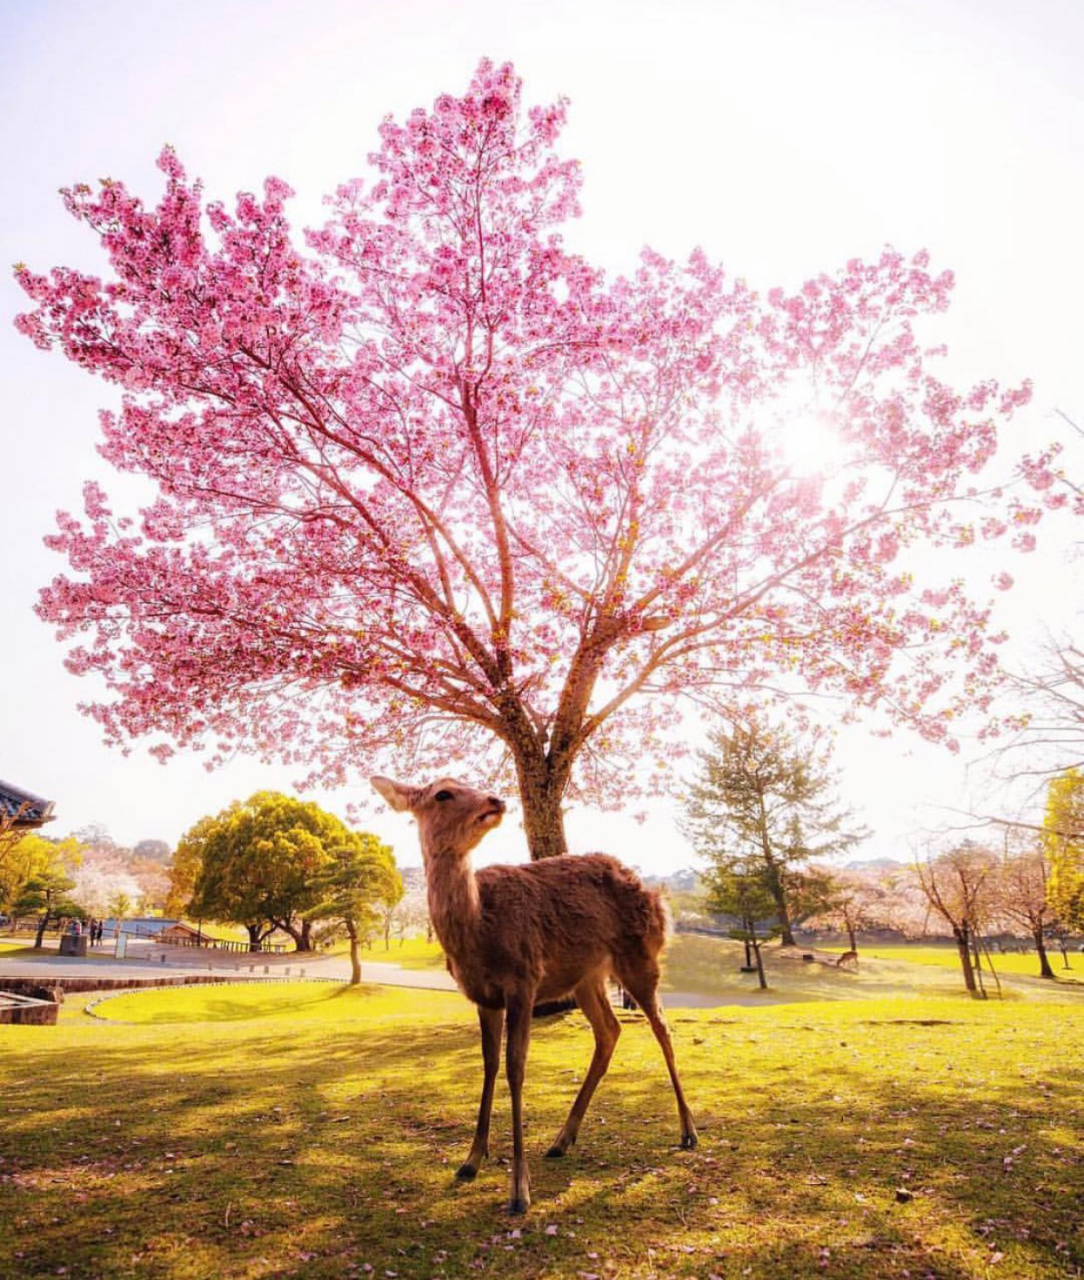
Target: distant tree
[
  {"x": 764, "y": 798},
  {"x": 263, "y": 864},
  {"x": 186, "y": 864},
  {"x": 855, "y": 900},
  {"x": 1022, "y": 890},
  {"x": 959, "y": 887},
  {"x": 153, "y": 850},
  {"x": 95, "y": 835},
  {"x": 98, "y": 888},
  {"x": 120, "y": 907},
  {"x": 12, "y": 833},
  {"x": 36, "y": 858},
  {"x": 360, "y": 885},
  {"x": 48, "y": 892},
  {"x": 1063, "y": 840},
  {"x": 1050, "y": 733},
  {"x": 742, "y": 888}
]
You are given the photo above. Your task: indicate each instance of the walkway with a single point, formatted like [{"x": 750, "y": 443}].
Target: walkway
[{"x": 149, "y": 960}]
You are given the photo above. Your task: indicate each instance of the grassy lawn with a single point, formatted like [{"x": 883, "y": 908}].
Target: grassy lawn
[
  {"x": 314, "y": 1130},
  {"x": 712, "y": 966},
  {"x": 17, "y": 949},
  {"x": 945, "y": 957},
  {"x": 411, "y": 953}
]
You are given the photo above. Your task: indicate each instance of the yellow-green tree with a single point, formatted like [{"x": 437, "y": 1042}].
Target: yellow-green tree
[
  {"x": 265, "y": 863},
  {"x": 1063, "y": 838},
  {"x": 32, "y": 857},
  {"x": 361, "y": 879}
]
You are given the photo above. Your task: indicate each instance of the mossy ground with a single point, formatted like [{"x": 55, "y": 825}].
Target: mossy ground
[{"x": 314, "y": 1130}]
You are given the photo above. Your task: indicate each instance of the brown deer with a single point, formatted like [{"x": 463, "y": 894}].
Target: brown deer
[{"x": 515, "y": 935}]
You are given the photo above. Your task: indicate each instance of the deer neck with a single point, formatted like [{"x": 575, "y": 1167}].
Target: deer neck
[{"x": 454, "y": 906}]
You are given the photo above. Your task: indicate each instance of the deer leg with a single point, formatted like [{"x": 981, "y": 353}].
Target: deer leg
[
  {"x": 518, "y": 1008},
  {"x": 591, "y": 997},
  {"x": 492, "y": 1024},
  {"x": 642, "y": 987}
]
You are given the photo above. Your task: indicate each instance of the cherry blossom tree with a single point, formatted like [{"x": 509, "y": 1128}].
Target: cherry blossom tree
[{"x": 432, "y": 488}]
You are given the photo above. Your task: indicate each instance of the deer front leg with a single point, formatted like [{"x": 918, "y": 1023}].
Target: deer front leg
[
  {"x": 492, "y": 1023},
  {"x": 519, "y": 1036}
]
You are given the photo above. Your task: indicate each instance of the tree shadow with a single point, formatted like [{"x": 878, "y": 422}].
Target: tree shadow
[{"x": 314, "y": 1149}]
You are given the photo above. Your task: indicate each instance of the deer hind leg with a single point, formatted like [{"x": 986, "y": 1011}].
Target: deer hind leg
[
  {"x": 591, "y": 997},
  {"x": 519, "y": 1009},
  {"x": 492, "y": 1024},
  {"x": 642, "y": 983}
]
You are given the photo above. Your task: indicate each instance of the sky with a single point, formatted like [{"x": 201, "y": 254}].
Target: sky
[{"x": 784, "y": 137}]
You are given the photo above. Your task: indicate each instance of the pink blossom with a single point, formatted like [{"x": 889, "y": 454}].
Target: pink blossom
[{"x": 431, "y": 485}]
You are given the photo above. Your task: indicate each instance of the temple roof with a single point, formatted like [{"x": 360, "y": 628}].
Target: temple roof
[{"x": 22, "y": 808}]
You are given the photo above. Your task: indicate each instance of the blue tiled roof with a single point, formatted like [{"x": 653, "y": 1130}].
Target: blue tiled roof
[{"x": 28, "y": 810}]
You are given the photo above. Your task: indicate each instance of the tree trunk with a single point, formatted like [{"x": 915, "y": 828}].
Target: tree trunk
[
  {"x": 1045, "y": 970},
  {"x": 980, "y": 982},
  {"x": 963, "y": 947},
  {"x": 543, "y": 818},
  {"x": 355, "y": 962},
  {"x": 42, "y": 923},
  {"x": 255, "y": 938},
  {"x": 779, "y": 897},
  {"x": 850, "y": 935},
  {"x": 301, "y": 934},
  {"x": 760, "y": 965}
]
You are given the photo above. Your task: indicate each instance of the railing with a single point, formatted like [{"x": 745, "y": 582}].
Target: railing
[
  {"x": 53, "y": 930},
  {"x": 223, "y": 944}
]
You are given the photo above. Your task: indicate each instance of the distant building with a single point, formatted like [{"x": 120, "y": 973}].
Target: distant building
[
  {"x": 20, "y": 808},
  {"x": 137, "y": 926},
  {"x": 179, "y": 932}
]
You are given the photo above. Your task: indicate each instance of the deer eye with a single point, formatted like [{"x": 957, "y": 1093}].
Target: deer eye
[{"x": 444, "y": 795}]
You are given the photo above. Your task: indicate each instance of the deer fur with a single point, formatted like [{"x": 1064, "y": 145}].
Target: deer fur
[{"x": 517, "y": 935}]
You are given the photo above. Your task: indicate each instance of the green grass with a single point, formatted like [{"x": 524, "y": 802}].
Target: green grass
[
  {"x": 945, "y": 957},
  {"x": 17, "y": 949},
  {"x": 712, "y": 966},
  {"x": 411, "y": 953},
  {"x": 314, "y": 1130}
]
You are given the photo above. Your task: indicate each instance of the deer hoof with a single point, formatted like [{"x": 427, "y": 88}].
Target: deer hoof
[
  {"x": 688, "y": 1141},
  {"x": 466, "y": 1172},
  {"x": 517, "y": 1206},
  {"x": 555, "y": 1152}
]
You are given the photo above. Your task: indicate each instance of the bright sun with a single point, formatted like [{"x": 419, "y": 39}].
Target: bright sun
[{"x": 804, "y": 436}]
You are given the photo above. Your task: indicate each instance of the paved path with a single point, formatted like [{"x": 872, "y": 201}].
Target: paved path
[{"x": 145, "y": 960}]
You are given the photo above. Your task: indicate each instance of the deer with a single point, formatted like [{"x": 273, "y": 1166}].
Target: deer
[{"x": 521, "y": 934}]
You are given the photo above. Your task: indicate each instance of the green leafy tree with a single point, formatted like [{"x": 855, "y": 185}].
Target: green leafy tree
[
  {"x": 120, "y": 907},
  {"x": 48, "y": 892},
  {"x": 764, "y": 799},
  {"x": 185, "y": 866},
  {"x": 361, "y": 885},
  {"x": 31, "y": 870},
  {"x": 741, "y": 888},
  {"x": 1063, "y": 839},
  {"x": 263, "y": 864}
]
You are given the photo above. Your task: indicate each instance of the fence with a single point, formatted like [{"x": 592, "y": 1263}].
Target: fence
[{"x": 149, "y": 934}]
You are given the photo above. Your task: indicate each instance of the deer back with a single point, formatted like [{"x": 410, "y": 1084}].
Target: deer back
[{"x": 549, "y": 924}]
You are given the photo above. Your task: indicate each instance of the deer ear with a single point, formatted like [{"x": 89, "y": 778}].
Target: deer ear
[{"x": 397, "y": 796}]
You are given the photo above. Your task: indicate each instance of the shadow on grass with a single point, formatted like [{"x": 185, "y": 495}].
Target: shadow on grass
[{"x": 314, "y": 1147}]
